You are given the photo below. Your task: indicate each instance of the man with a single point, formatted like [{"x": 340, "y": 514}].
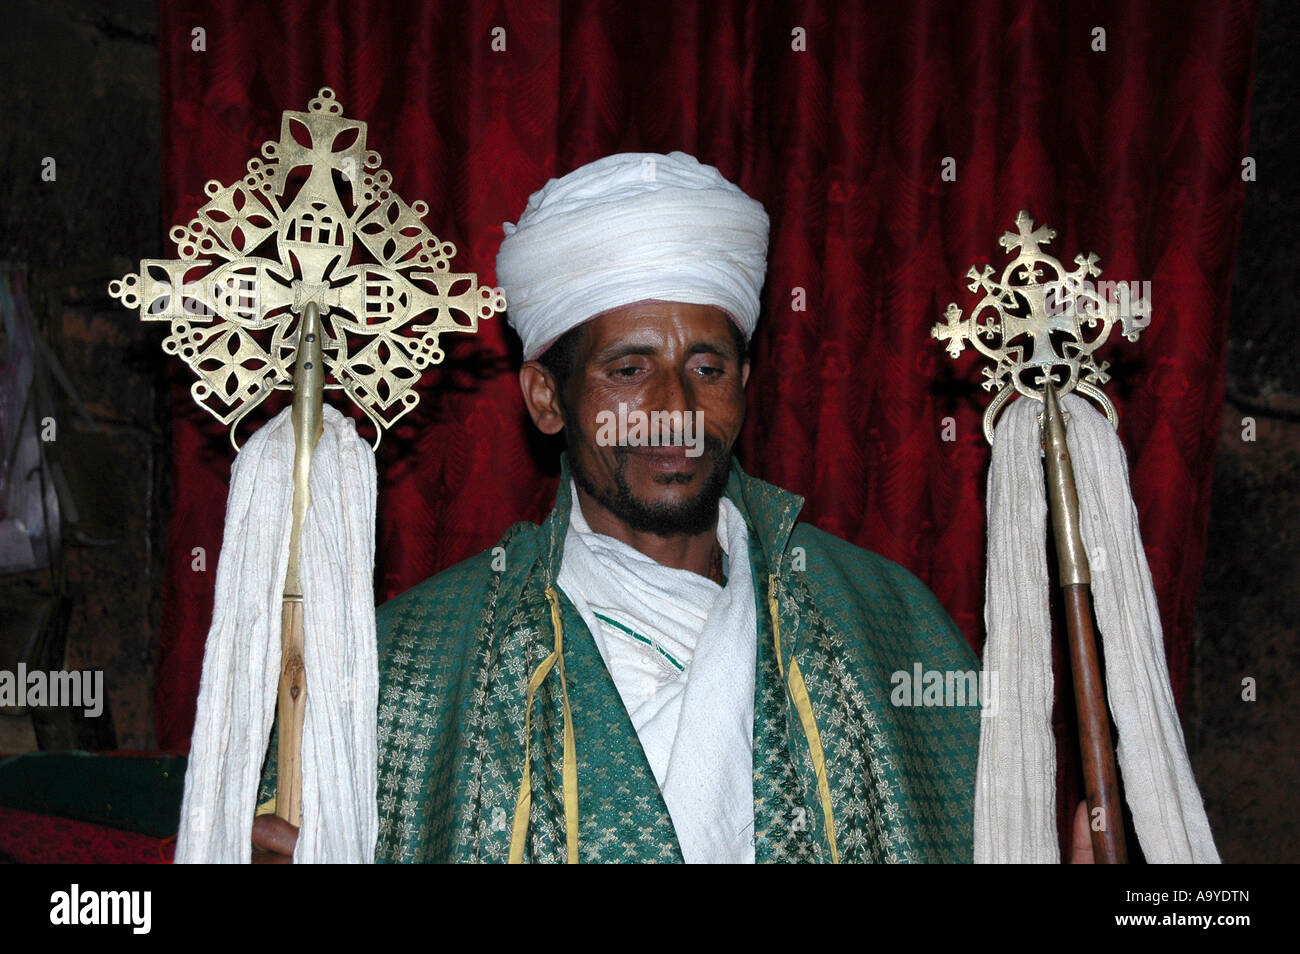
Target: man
[{"x": 670, "y": 667}]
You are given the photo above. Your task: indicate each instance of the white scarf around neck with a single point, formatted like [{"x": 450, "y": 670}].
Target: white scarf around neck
[{"x": 681, "y": 651}]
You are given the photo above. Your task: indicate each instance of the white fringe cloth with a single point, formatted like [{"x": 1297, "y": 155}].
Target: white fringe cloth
[
  {"x": 1015, "y": 814},
  {"x": 241, "y": 663}
]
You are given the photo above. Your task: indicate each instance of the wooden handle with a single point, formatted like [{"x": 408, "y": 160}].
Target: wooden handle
[
  {"x": 308, "y": 421},
  {"x": 1099, "y": 774},
  {"x": 292, "y": 707}
]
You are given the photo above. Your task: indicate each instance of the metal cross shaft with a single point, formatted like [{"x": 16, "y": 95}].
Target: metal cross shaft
[{"x": 1099, "y": 773}]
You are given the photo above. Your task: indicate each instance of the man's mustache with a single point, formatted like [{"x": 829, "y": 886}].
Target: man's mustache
[
  {"x": 638, "y": 427},
  {"x": 713, "y": 446}
]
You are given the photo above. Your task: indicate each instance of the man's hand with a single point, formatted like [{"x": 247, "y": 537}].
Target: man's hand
[
  {"x": 273, "y": 840},
  {"x": 1080, "y": 852}
]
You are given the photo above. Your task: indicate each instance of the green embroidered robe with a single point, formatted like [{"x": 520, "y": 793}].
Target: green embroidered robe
[{"x": 835, "y": 624}]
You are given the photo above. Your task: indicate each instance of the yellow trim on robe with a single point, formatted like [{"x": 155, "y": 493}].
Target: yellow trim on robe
[
  {"x": 523, "y": 804},
  {"x": 803, "y": 705}
]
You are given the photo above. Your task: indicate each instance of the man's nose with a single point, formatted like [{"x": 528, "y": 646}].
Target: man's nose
[{"x": 672, "y": 391}]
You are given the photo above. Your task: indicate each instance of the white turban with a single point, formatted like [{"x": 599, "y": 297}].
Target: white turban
[{"x": 629, "y": 228}]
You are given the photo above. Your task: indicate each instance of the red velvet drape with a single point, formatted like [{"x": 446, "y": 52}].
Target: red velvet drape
[{"x": 838, "y": 117}]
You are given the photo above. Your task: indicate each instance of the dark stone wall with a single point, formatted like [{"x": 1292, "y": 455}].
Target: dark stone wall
[
  {"x": 1247, "y": 753},
  {"x": 79, "y": 84}
]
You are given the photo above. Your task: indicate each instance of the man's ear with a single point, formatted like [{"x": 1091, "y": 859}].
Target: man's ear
[
  {"x": 744, "y": 374},
  {"x": 542, "y": 397}
]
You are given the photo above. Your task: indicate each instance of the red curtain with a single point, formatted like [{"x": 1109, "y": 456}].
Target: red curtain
[{"x": 839, "y": 118}]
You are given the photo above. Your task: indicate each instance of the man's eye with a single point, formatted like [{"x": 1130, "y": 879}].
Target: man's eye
[
  {"x": 627, "y": 371},
  {"x": 710, "y": 370}
]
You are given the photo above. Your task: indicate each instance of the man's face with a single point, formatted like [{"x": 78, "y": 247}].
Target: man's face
[{"x": 655, "y": 357}]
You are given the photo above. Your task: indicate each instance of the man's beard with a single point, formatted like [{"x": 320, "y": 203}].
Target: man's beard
[{"x": 693, "y": 516}]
